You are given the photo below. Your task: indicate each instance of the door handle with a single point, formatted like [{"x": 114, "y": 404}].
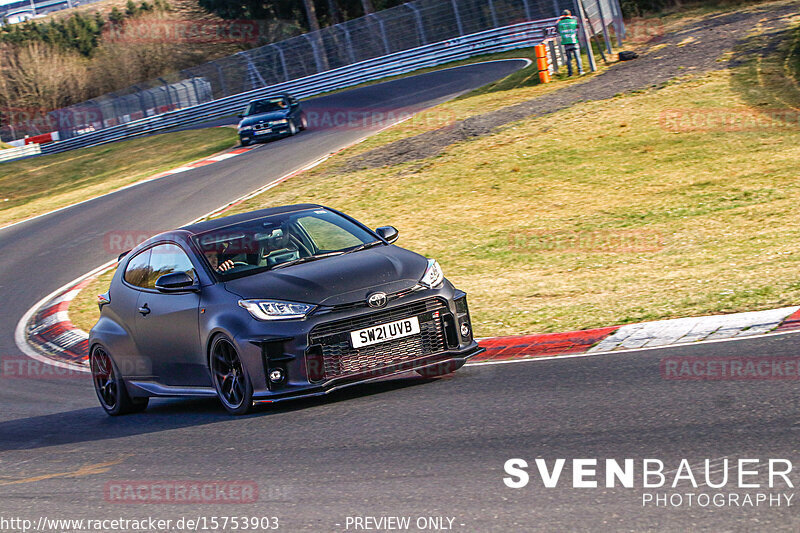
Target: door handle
[{"x": 144, "y": 310}]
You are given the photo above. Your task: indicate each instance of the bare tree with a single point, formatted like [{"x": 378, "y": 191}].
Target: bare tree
[
  {"x": 38, "y": 76},
  {"x": 335, "y": 12},
  {"x": 311, "y": 15}
]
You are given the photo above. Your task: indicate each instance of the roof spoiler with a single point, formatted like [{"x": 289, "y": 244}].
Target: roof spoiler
[{"x": 123, "y": 254}]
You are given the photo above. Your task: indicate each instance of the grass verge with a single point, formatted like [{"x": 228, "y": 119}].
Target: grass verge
[{"x": 33, "y": 186}]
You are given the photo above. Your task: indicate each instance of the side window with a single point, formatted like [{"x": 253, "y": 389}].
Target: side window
[
  {"x": 144, "y": 269},
  {"x": 166, "y": 259},
  {"x": 136, "y": 272}
]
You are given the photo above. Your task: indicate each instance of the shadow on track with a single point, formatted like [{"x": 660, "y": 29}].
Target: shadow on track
[{"x": 92, "y": 424}]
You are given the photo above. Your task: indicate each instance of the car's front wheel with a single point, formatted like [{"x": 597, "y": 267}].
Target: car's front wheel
[
  {"x": 110, "y": 387},
  {"x": 244, "y": 142},
  {"x": 230, "y": 380}
]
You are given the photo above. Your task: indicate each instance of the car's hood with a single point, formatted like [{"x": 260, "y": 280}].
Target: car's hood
[
  {"x": 263, "y": 117},
  {"x": 336, "y": 280}
]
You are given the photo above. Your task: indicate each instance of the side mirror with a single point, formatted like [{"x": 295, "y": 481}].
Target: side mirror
[
  {"x": 388, "y": 233},
  {"x": 240, "y": 115},
  {"x": 176, "y": 282}
]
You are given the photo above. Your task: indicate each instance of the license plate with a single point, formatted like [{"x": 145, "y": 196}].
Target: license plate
[
  {"x": 265, "y": 130},
  {"x": 385, "y": 332}
]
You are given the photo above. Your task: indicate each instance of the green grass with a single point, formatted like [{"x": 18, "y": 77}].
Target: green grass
[{"x": 37, "y": 185}]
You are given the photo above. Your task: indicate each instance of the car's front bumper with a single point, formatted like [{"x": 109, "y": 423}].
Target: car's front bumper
[
  {"x": 316, "y": 363},
  {"x": 253, "y": 135},
  {"x": 451, "y": 361}
]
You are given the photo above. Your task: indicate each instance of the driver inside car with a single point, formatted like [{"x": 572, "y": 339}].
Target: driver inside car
[
  {"x": 218, "y": 259},
  {"x": 214, "y": 261}
]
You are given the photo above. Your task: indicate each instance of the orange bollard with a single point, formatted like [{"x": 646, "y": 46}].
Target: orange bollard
[{"x": 542, "y": 63}]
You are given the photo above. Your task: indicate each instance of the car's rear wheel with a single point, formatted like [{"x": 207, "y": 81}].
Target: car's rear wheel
[
  {"x": 230, "y": 380},
  {"x": 292, "y": 128},
  {"x": 110, "y": 387},
  {"x": 303, "y": 122}
]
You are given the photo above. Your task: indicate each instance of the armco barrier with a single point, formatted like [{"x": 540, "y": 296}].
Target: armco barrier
[
  {"x": 9, "y": 154},
  {"x": 511, "y": 37}
]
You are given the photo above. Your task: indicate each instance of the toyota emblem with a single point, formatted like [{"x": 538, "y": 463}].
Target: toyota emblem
[{"x": 377, "y": 299}]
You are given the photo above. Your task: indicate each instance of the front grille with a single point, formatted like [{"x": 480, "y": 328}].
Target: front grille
[{"x": 339, "y": 358}]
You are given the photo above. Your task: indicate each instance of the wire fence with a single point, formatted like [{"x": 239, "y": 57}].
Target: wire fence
[
  {"x": 405, "y": 27},
  {"x": 22, "y": 9}
]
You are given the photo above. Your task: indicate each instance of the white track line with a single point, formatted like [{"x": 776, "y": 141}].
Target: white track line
[
  {"x": 21, "y": 339},
  {"x": 154, "y": 177},
  {"x": 646, "y": 348}
]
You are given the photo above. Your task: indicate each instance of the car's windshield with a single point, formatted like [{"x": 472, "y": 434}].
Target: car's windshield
[
  {"x": 265, "y": 106},
  {"x": 280, "y": 241}
]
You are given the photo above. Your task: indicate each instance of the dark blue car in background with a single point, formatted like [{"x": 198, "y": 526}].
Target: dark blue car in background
[{"x": 272, "y": 117}]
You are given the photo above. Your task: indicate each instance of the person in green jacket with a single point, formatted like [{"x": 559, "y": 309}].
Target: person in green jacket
[{"x": 567, "y": 27}]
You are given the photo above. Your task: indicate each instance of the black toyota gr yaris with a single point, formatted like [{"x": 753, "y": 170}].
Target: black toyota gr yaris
[{"x": 272, "y": 305}]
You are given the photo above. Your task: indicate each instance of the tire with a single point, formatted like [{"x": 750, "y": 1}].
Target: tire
[
  {"x": 292, "y": 128},
  {"x": 303, "y": 122},
  {"x": 244, "y": 143},
  {"x": 110, "y": 387},
  {"x": 230, "y": 379},
  {"x": 442, "y": 369}
]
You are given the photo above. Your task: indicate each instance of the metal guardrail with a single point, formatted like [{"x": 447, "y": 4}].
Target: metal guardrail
[
  {"x": 502, "y": 39},
  {"x": 9, "y": 154}
]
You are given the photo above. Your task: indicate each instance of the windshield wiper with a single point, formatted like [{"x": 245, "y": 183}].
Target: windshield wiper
[
  {"x": 363, "y": 246},
  {"x": 305, "y": 259},
  {"x": 326, "y": 254}
]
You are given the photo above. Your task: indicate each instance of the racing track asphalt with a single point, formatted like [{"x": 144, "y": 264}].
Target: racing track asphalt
[{"x": 408, "y": 446}]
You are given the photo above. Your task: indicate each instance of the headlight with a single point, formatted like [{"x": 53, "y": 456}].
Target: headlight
[
  {"x": 276, "y": 309},
  {"x": 433, "y": 276},
  {"x": 279, "y": 122},
  {"x": 244, "y": 128}
]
